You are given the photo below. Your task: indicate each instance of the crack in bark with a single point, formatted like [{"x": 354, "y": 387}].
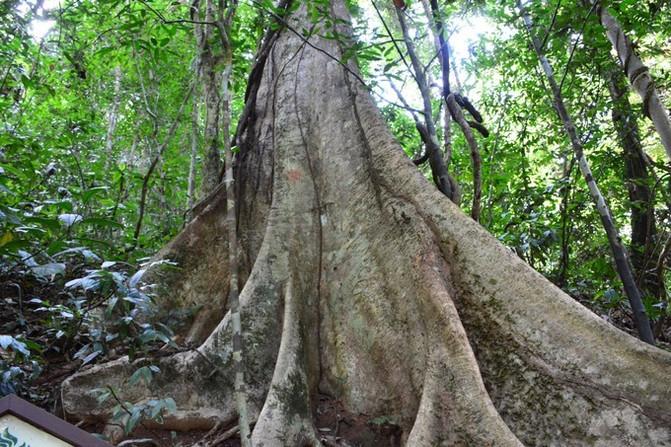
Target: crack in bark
[{"x": 320, "y": 208}]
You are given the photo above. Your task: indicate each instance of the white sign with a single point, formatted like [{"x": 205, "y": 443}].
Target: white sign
[
  {"x": 15, "y": 432},
  {"x": 23, "y": 424}
]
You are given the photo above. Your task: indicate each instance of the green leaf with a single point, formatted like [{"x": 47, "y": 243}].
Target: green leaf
[
  {"x": 47, "y": 270},
  {"x": 170, "y": 405},
  {"x": 136, "y": 414},
  {"x": 6, "y": 341},
  {"x": 143, "y": 374},
  {"x": 89, "y": 193},
  {"x": 49, "y": 223},
  {"x": 70, "y": 219},
  {"x": 102, "y": 222},
  {"x": 6, "y": 238}
]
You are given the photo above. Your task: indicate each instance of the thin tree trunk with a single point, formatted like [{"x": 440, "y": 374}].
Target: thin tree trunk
[
  {"x": 455, "y": 73},
  {"x": 447, "y": 137},
  {"x": 154, "y": 163},
  {"x": 240, "y": 390},
  {"x": 476, "y": 160},
  {"x": 427, "y": 129},
  {"x": 112, "y": 116},
  {"x": 223, "y": 25},
  {"x": 566, "y": 223},
  {"x": 234, "y": 303},
  {"x": 437, "y": 26},
  {"x": 212, "y": 160},
  {"x": 443, "y": 50},
  {"x": 620, "y": 255},
  {"x": 194, "y": 12},
  {"x": 226, "y": 104},
  {"x": 638, "y": 75},
  {"x": 195, "y": 144},
  {"x": 641, "y": 198},
  {"x": 210, "y": 60}
]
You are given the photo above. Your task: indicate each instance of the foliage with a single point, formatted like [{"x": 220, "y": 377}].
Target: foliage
[
  {"x": 102, "y": 312},
  {"x": 130, "y": 414}
]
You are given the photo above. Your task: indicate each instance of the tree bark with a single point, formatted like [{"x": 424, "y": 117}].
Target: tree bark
[
  {"x": 112, "y": 117},
  {"x": 193, "y": 159},
  {"x": 215, "y": 64},
  {"x": 638, "y": 180},
  {"x": 427, "y": 129},
  {"x": 638, "y": 75},
  {"x": 365, "y": 285},
  {"x": 211, "y": 92}
]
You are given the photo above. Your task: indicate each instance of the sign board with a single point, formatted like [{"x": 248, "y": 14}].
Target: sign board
[{"x": 22, "y": 424}]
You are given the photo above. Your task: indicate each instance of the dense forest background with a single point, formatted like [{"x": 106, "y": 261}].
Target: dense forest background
[{"x": 116, "y": 116}]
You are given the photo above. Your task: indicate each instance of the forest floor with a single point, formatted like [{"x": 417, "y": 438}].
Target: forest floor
[{"x": 39, "y": 313}]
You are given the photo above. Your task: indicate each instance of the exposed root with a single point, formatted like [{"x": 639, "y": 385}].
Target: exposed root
[
  {"x": 286, "y": 417},
  {"x": 199, "y": 382},
  {"x": 216, "y": 436},
  {"x": 195, "y": 410},
  {"x": 455, "y": 408},
  {"x": 199, "y": 282},
  {"x": 541, "y": 353}
]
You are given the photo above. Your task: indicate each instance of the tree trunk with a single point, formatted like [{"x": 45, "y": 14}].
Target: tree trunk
[
  {"x": 638, "y": 75},
  {"x": 366, "y": 285},
  {"x": 112, "y": 118},
  {"x": 193, "y": 159},
  {"x": 211, "y": 91},
  {"x": 427, "y": 129},
  {"x": 210, "y": 58},
  {"x": 620, "y": 255},
  {"x": 643, "y": 227}
]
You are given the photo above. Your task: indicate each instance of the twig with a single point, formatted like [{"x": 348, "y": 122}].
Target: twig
[
  {"x": 391, "y": 36},
  {"x": 227, "y": 434},
  {"x": 173, "y": 21},
  {"x": 575, "y": 45},
  {"x": 662, "y": 258},
  {"x": 148, "y": 442},
  {"x": 118, "y": 401},
  {"x": 159, "y": 153},
  {"x": 552, "y": 23}
]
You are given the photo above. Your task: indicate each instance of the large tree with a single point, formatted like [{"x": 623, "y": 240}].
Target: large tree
[{"x": 364, "y": 283}]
